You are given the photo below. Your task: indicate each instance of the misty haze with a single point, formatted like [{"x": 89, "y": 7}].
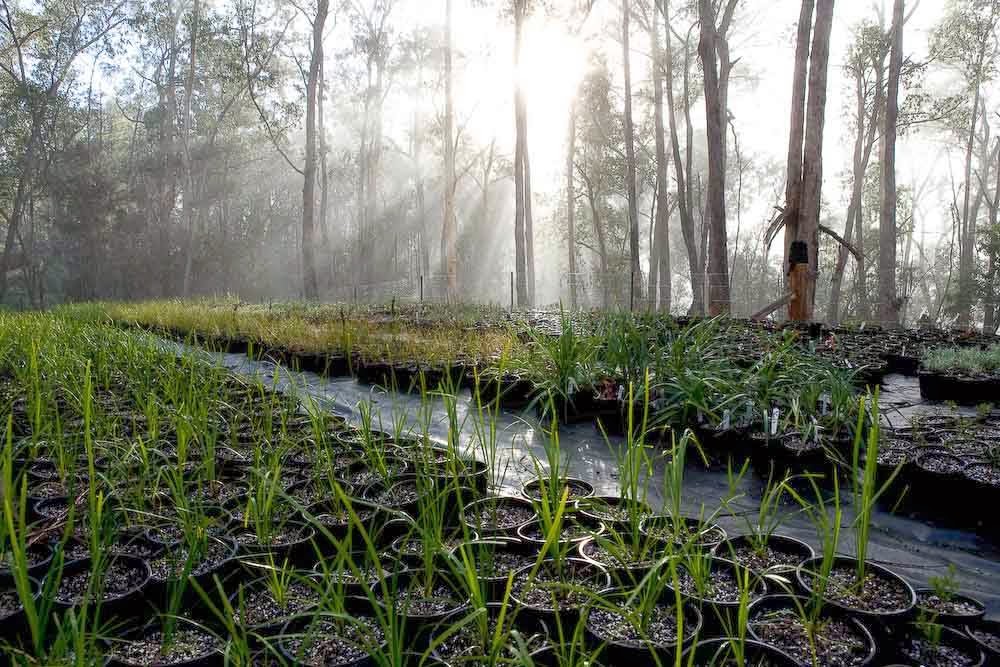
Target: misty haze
[{"x": 556, "y": 333}]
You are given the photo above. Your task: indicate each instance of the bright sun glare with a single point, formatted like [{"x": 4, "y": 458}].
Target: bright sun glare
[{"x": 552, "y": 65}]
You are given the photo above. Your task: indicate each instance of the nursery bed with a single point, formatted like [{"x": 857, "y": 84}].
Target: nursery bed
[{"x": 916, "y": 548}]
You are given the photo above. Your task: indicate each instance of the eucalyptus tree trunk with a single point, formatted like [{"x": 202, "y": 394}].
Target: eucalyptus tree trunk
[
  {"x": 718, "y": 254},
  {"x": 853, "y": 227},
  {"x": 520, "y": 251},
  {"x": 310, "y": 289},
  {"x": 796, "y": 135},
  {"x": 659, "y": 279},
  {"x": 888, "y": 299},
  {"x": 449, "y": 233},
  {"x": 630, "y": 185},
  {"x": 571, "y": 204},
  {"x": 187, "y": 202},
  {"x": 681, "y": 173}
]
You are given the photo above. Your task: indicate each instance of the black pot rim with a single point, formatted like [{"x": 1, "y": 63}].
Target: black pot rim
[
  {"x": 828, "y": 610},
  {"x": 883, "y": 571}
]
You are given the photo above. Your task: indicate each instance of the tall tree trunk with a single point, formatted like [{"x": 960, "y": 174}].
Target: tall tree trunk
[
  {"x": 812, "y": 154},
  {"x": 571, "y": 204},
  {"x": 853, "y": 229},
  {"x": 529, "y": 225},
  {"x": 310, "y": 289},
  {"x": 187, "y": 201},
  {"x": 660, "y": 250},
  {"x": 989, "y": 302},
  {"x": 324, "y": 178},
  {"x": 630, "y": 185},
  {"x": 793, "y": 174},
  {"x": 684, "y": 207},
  {"x": 520, "y": 256},
  {"x": 449, "y": 235},
  {"x": 718, "y": 253},
  {"x": 888, "y": 304}
]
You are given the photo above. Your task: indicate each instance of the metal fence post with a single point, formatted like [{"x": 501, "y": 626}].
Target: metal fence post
[
  {"x": 512, "y": 290},
  {"x": 421, "y": 288},
  {"x": 631, "y": 293}
]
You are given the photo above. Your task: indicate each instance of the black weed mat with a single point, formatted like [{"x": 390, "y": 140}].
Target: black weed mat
[{"x": 915, "y": 547}]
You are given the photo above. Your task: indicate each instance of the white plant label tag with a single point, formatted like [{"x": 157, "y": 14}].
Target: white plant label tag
[
  {"x": 621, "y": 393},
  {"x": 571, "y": 386},
  {"x": 824, "y": 404},
  {"x": 774, "y": 421},
  {"x": 701, "y": 418},
  {"x": 725, "y": 420}
]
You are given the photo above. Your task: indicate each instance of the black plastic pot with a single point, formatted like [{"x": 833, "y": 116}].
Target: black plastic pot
[
  {"x": 623, "y": 576},
  {"x": 494, "y": 559},
  {"x": 418, "y": 623},
  {"x": 573, "y": 532},
  {"x": 210, "y": 658},
  {"x": 551, "y": 615},
  {"x": 772, "y": 603},
  {"x": 159, "y": 589},
  {"x": 469, "y": 653},
  {"x": 578, "y": 489},
  {"x": 511, "y": 391},
  {"x": 40, "y": 553},
  {"x": 299, "y": 629},
  {"x": 13, "y": 625},
  {"x": 875, "y": 618},
  {"x": 121, "y": 603},
  {"x": 986, "y": 634},
  {"x": 493, "y": 525},
  {"x": 221, "y": 521},
  {"x": 273, "y": 624},
  {"x": 959, "y": 389},
  {"x": 720, "y": 616},
  {"x": 707, "y": 536},
  {"x": 907, "y": 653},
  {"x": 784, "y": 544},
  {"x": 954, "y": 619},
  {"x": 608, "y": 509},
  {"x": 719, "y": 653},
  {"x": 297, "y": 550},
  {"x": 392, "y": 571},
  {"x": 616, "y": 651}
]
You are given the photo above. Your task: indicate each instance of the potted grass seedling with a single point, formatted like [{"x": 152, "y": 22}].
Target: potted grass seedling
[
  {"x": 647, "y": 623},
  {"x": 550, "y": 479},
  {"x": 760, "y": 548},
  {"x": 281, "y": 591},
  {"x": 269, "y": 525},
  {"x": 484, "y": 427},
  {"x": 624, "y": 548},
  {"x": 734, "y": 648},
  {"x": 854, "y": 584},
  {"x": 806, "y": 628},
  {"x": 556, "y": 587},
  {"x": 941, "y": 601},
  {"x": 432, "y": 591},
  {"x": 28, "y": 616},
  {"x": 673, "y": 526},
  {"x": 562, "y": 367}
]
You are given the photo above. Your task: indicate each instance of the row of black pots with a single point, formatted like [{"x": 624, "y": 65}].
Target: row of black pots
[{"x": 961, "y": 389}]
